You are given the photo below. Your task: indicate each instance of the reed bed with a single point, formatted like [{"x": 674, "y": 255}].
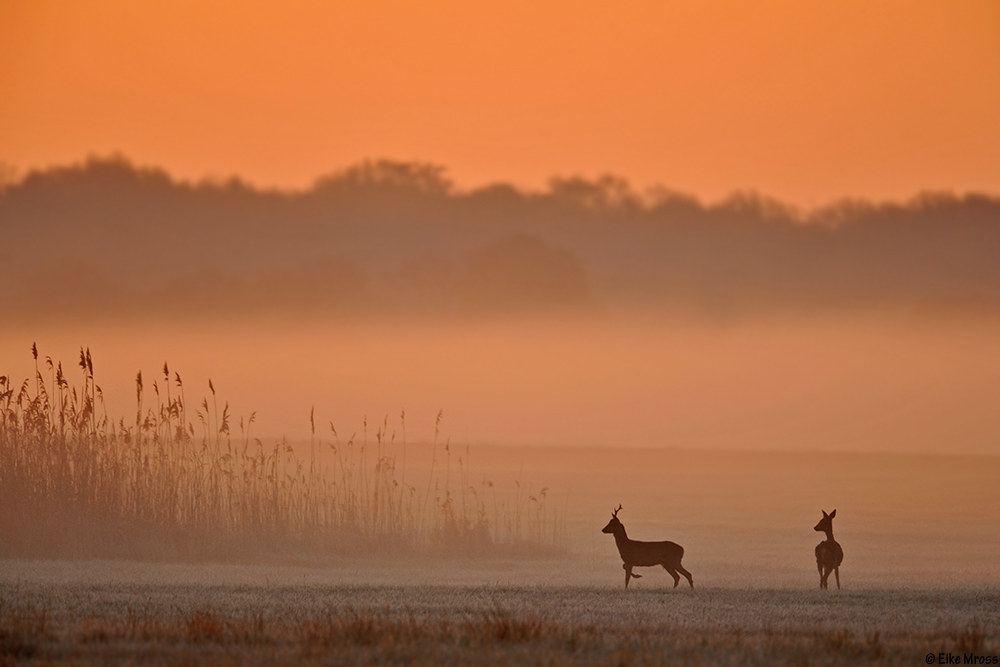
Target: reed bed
[{"x": 75, "y": 482}]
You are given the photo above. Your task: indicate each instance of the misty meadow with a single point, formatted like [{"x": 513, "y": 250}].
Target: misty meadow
[
  {"x": 501, "y": 333},
  {"x": 395, "y": 414}
]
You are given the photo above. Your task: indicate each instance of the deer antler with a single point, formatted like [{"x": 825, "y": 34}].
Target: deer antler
[{"x": 615, "y": 513}]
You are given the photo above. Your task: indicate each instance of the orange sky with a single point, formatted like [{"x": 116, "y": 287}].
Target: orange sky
[{"x": 804, "y": 101}]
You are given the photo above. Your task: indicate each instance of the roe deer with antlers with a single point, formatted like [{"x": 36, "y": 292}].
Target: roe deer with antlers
[
  {"x": 829, "y": 555},
  {"x": 646, "y": 554}
]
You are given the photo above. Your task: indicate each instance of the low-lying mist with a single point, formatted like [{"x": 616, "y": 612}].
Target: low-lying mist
[
  {"x": 724, "y": 371},
  {"x": 709, "y": 434},
  {"x": 806, "y": 384}
]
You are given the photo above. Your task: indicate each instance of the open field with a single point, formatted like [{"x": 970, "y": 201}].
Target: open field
[
  {"x": 128, "y": 613},
  {"x": 75, "y": 485},
  {"x": 149, "y": 543},
  {"x": 333, "y": 333}
]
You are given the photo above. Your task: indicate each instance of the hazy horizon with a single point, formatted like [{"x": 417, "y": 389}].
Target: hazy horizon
[
  {"x": 584, "y": 314},
  {"x": 386, "y": 240},
  {"x": 435, "y": 172},
  {"x": 371, "y": 306}
]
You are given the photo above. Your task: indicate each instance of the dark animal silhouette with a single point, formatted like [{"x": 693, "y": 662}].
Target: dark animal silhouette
[
  {"x": 829, "y": 555},
  {"x": 646, "y": 554}
]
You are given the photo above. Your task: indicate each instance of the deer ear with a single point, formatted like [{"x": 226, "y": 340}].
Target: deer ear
[
  {"x": 825, "y": 515},
  {"x": 833, "y": 514}
]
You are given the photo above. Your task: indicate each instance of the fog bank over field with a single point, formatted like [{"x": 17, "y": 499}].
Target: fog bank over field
[
  {"x": 107, "y": 241},
  {"x": 724, "y": 371},
  {"x": 585, "y": 314},
  {"x": 828, "y": 384}
]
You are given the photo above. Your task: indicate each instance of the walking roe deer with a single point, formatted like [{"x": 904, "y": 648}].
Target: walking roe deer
[
  {"x": 829, "y": 555},
  {"x": 646, "y": 554}
]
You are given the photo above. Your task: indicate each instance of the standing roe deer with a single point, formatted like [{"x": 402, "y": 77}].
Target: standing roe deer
[
  {"x": 829, "y": 555},
  {"x": 646, "y": 554}
]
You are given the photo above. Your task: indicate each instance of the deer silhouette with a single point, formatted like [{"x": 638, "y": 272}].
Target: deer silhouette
[
  {"x": 829, "y": 555},
  {"x": 646, "y": 554}
]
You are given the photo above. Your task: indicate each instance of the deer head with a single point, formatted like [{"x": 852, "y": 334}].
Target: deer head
[
  {"x": 614, "y": 525},
  {"x": 825, "y": 524}
]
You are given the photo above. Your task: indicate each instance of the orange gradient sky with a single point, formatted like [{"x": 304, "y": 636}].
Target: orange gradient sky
[{"x": 804, "y": 101}]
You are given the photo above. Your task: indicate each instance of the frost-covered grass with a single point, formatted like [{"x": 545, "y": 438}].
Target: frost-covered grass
[{"x": 48, "y": 620}]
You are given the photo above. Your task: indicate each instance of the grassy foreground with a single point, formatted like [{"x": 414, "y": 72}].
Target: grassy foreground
[{"x": 50, "y": 623}]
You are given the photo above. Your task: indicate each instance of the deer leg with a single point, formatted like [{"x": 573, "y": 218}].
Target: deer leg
[
  {"x": 686, "y": 574},
  {"x": 629, "y": 574},
  {"x": 836, "y": 571},
  {"x": 673, "y": 573},
  {"x": 820, "y": 568}
]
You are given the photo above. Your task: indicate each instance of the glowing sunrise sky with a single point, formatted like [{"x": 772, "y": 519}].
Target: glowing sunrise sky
[{"x": 804, "y": 101}]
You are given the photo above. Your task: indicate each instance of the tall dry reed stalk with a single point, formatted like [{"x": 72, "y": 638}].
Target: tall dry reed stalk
[{"x": 73, "y": 482}]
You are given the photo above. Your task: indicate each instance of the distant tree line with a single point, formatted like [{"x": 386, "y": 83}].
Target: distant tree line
[{"x": 106, "y": 239}]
